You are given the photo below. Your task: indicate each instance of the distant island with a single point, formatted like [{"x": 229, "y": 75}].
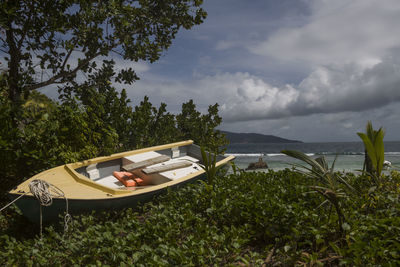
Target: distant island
[{"x": 244, "y": 138}]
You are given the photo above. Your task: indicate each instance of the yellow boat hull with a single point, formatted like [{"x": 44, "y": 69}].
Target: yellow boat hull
[{"x": 86, "y": 195}]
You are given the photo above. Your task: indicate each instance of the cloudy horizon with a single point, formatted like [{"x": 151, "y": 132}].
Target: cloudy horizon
[{"x": 310, "y": 70}]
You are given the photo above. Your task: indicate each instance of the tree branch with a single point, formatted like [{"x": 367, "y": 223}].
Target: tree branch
[
  {"x": 3, "y": 40},
  {"x": 117, "y": 52},
  {"x": 62, "y": 74},
  {"x": 68, "y": 55},
  {"x": 25, "y": 29}
]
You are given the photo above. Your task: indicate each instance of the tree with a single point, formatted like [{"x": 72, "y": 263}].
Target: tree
[
  {"x": 152, "y": 126},
  {"x": 49, "y": 41},
  {"x": 108, "y": 112},
  {"x": 201, "y": 127}
]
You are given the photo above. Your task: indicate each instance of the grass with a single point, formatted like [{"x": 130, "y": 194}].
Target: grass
[{"x": 247, "y": 219}]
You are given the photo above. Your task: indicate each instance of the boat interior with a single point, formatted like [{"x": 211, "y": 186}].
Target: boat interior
[{"x": 156, "y": 167}]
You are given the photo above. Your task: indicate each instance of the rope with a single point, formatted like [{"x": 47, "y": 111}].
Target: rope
[
  {"x": 15, "y": 200},
  {"x": 44, "y": 193}
]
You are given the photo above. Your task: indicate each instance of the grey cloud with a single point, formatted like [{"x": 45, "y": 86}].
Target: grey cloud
[
  {"x": 328, "y": 89},
  {"x": 344, "y": 57},
  {"x": 246, "y": 97},
  {"x": 336, "y": 32}
]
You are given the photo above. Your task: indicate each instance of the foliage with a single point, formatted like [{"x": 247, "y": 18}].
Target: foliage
[
  {"x": 209, "y": 165},
  {"x": 248, "y": 219},
  {"x": 374, "y": 148},
  {"x": 152, "y": 126},
  {"x": 8, "y": 151},
  {"x": 107, "y": 111},
  {"x": 331, "y": 182},
  {"x": 49, "y": 42},
  {"x": 201, "y": 127}
]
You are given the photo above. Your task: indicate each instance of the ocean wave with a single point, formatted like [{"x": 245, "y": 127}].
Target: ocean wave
[
  {"x": 339, "y": 153},
  {"x": 392, "y": 153},
  {"x": 308, "y": 154},
  {"x": 245, "y": 154},
  {"x": 275, "y": 154},
  {"x": 261, "y": 154},
  {"x": 281, "y": 154}
]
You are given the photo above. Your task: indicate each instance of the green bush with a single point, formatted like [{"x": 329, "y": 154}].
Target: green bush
[{"x": 246, "y": 219}]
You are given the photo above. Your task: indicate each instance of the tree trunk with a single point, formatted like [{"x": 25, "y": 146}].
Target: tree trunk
[
  {"x": 13, "y": 76},
  {"x": 15, "y": 91}
]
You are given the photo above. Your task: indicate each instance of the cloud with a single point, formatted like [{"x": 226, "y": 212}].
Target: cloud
[
  {"x": 328, "y": 89},
  {"x": 345, "y": 49},
  {"x": 243, "y": 96},
  {"x": 225, "y": 45},
  {"x": 339, "y": 31},
  {"x": 352, "y": 50}
]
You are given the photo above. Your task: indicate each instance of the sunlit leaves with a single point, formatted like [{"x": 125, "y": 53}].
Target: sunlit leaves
[
  {"x": 209, "y": 165},
  {"x": 374, "y": 147}
]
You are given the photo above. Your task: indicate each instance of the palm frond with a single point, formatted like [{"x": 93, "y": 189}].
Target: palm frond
[
  {"x": 303, "y": 157},
  {"x": 323, "y": 203}
]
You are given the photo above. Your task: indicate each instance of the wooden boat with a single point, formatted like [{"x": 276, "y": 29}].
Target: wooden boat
[{"x": 90, "y": 185}]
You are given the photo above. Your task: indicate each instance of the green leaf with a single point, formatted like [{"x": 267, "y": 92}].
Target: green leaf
[
  {"x": 346, "y": 226},
  {"x": 379, "y": 150},
  {"x": 305, "y": 158},
  {"x": 370, "y": 148},
  {"x": 287, "y": 248}
]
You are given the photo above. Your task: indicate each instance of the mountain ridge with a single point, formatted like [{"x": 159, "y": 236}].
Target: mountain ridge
[{"x": 245, "y": 138}]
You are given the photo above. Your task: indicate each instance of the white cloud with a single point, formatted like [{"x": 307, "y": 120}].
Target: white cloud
[
  {"x": 243, "y": 96},
  {"x": 224, "y": 45},
  {"x": 339, "y": 31},
  {"x": 250, "y": 98},
  {"x": 353, "y": 51}
]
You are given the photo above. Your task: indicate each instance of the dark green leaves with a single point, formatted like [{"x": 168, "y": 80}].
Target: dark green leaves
[
  {"x": 63, "y": 37},
  {"x": 326, "y": 182},
  {"x": 248, "y": 219},
  {"x": 201, "y": 127}
]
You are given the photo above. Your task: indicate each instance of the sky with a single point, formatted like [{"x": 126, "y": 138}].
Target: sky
[{"x": 310, "y": 70}]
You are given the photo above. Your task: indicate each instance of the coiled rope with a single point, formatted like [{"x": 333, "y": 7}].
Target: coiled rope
[{"x": 44, "y": 193}]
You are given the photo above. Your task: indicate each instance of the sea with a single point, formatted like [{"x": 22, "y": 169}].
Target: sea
[{"x": 350, "y": 155}]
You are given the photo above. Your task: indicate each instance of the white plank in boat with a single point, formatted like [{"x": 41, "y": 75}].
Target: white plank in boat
[
  {"x": 139, "y": 157},
  {"x": 179, "y": 173},
  {"x": 167, "y": 167},
  {"x": 144, "y": 163}
]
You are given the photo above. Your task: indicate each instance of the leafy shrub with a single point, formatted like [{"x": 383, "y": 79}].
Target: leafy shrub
[{"x": 247, "y": 219}]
